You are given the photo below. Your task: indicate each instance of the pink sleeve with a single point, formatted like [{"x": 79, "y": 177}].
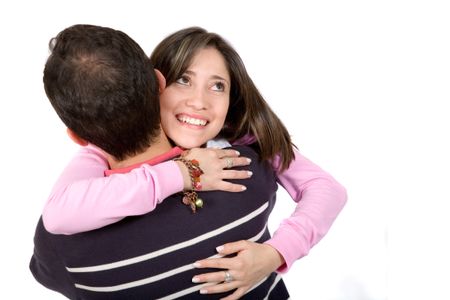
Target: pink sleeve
[
  {"x": 319, "y": 199},
  {"x": 83, "y": 199}
]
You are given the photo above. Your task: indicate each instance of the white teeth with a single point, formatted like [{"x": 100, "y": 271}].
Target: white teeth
[{"x": 192, "y": 121}]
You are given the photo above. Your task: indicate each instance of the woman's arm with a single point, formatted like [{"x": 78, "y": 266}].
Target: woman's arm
[
  {"x": 83, "y": 199},
  {"x": 319, "y": 197}
]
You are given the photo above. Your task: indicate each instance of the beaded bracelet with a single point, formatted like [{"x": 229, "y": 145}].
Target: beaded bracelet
[{"x": 190, "y": 197}]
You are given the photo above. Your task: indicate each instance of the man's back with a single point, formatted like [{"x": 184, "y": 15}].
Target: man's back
[{"x": 151, "y": 256}]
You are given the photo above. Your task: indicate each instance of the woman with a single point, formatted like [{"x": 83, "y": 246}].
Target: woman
[{"x": 227, "y": 106}]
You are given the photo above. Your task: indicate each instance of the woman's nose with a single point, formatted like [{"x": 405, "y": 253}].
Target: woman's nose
[{"x": 197, "y": 100}]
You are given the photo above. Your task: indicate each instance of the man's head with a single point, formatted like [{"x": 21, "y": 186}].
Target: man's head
[{"x": 104, "y": 88}]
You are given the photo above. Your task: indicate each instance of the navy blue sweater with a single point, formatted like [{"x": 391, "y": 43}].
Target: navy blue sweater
[{"x": 151, "y": 256}]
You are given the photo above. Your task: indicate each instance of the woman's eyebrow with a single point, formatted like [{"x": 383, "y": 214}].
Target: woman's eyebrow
[
  {"x": 216, "y": 77},
  {"x": 219, "y": 78}
]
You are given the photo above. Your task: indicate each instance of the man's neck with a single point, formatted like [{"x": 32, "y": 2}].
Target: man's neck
[{"x": 158, "y": 147}]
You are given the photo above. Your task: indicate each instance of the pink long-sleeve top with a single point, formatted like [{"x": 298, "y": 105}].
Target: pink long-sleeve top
[{"x": 84, "y": 199}]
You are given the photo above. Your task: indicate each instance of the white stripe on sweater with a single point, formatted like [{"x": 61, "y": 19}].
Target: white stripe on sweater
[
  {"x": 275, "y": 282},
  {"x": 172, "y": 248},
  {"x": 155, "y": 278}
]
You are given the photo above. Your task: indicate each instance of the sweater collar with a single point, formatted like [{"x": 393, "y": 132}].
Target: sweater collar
[{"x": 175, "y": 151}]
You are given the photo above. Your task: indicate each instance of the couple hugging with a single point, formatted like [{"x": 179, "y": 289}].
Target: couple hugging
[{"x": 170, "y": 193}]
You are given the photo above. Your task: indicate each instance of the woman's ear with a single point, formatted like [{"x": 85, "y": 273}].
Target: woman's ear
[
  {"x": 161, "y": 80},
  {"x": 74, "y": 137}
]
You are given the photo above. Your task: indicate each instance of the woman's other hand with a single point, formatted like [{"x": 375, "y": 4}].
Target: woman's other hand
[{"x": 253, "y": 262}]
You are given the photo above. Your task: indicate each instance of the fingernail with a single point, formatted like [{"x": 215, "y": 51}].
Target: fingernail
[
  {"x": 249, "y": 160},
  {"x": 219, "y": 249},
  {"x": 244, "y": 188},
  {"x": 203, "y": 292},
  {"x": 250, "y": 173},
  {"x": 197, "y": 265},
  {"x": 238, "y": 153},
  {"x": 195, "y": 280}
]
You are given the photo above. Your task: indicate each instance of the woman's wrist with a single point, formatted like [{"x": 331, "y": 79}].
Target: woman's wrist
[
  {"x": 275, "y": 257},
  {"x": 186, "y": 176}
]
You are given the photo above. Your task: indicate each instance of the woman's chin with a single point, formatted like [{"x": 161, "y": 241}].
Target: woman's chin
[{"x": 189, "y": 144}]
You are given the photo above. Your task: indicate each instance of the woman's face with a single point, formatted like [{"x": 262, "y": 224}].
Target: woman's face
[{"x": 194, "y": 107}]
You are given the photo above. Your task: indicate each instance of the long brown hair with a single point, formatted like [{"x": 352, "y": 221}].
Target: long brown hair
[{"x": 249, "y": 113}]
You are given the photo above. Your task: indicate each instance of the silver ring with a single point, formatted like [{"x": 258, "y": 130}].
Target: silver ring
[
  {"x": 229, "y": 163},
  {"x": 228, "y": 277}
]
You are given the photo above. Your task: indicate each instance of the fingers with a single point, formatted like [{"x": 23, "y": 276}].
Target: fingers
[
  {"x": 227, "y": 157},
  {"x": 216, "y": 164},
  {"x": 217, "y": 263},
  {"x": 224, "y": 287},
  {"x": 221, "y": 153},
  {"x": 231, "y": 158},
  {"x": 230, "y": 162},
  {"x": 234, "y": 247},
  {"x": 226, "y": 186},
  {"x": 233, "y": 174},
  {"x": 219, "y": 276},
  {"x": 236, "y": 174},
  {"x": 236, "y": 295},
  {"x": 238, "y": 273},
  {"x": 224, "y": 262},
  {"x": 231, "y": 187}
]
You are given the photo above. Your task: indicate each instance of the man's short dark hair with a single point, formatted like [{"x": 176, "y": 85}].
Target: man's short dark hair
[{"x": 104, "y": 88}]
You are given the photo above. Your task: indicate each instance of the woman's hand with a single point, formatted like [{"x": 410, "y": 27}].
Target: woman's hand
[
  {"x": 216, "y": 164},
  {"x": 252, "y": 263}
]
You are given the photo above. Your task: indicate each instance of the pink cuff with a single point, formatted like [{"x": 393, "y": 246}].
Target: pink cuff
[{"x": 290, "y": 248}]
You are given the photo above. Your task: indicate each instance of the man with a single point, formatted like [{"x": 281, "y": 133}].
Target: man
[{"x": 103, "y": 87}]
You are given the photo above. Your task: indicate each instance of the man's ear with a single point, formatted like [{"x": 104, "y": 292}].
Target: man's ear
[
  {"x": 161, "y": 80},
  {"x": 74, "y": 137}
]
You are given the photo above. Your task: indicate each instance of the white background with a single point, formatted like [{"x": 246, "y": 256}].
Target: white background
[{"x": 361, "y": 85}]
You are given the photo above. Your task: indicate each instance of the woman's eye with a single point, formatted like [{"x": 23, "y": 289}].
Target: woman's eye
[
  {"x": 219, "y": 86},
  {"x": 183, "y": 80}
]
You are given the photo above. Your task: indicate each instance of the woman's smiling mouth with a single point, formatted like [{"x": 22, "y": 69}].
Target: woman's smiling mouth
[{"x": 191, "y": 121}]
